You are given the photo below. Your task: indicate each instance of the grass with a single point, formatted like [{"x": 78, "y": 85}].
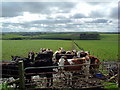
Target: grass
[
  {"x": 4, "y": 86},
  {"x": 21, "y": 47},
  {"x": 10, "y": 36},
  {"x": 111, "y": 87},
  {"x": 105, "y": 49}
]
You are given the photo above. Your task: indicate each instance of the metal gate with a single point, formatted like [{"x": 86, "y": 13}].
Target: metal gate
[{"x": 75, "y": 79}]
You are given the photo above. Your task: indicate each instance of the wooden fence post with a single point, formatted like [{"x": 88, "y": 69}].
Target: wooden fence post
[
  {"x": 119, "y": 75},
  {"x": 21, "y": 76}
]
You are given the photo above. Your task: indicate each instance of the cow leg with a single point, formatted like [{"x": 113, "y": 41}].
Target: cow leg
[
  {"x": 27, "y": 81},
  {"x": 73, "y": 78},
  {"x": 28, "y": 78},
  {"x": 70, "y": 78},
  {"x": 49, "y": 80},
  {"x": 52, "y": 81},
  {"x": 66, "y": 78}
]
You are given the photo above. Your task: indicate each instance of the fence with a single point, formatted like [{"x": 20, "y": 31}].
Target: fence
[{"x": 66, "y": 79}]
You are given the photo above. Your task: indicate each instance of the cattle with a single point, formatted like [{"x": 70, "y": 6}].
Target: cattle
[
  {"x": 74, "y": 67},
  {"x": 69, "y": 54},
  {"x": 31, "y": 56},
  {"x": 41, "y": 60},
  {"x": 92, "y": 64},
  {"x": 81, "y": 54},
  {"x": 77, "y": 61},
  {"x": 9, "y": 69},
  {"x": 59, "y": 51},
  {"x": 87, "y": 66},
  {"x": 26, "y": 61}
]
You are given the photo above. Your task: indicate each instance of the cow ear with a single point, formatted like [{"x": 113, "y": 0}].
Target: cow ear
[{"x": 11, "y": 56}]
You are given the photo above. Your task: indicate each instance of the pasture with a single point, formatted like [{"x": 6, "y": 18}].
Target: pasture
[
  {"x": 22, "y": 47},
  {"x": 106, "y": 48}
]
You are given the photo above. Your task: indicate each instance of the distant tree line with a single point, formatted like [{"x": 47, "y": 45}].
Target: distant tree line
[
  {"x": 89, "y": 36},
  {"x": 32, "y": 35}
]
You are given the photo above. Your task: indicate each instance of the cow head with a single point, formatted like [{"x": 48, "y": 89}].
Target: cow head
[
  {"x": 31, "y": 55},
  {"x": 14, "y": 58}
]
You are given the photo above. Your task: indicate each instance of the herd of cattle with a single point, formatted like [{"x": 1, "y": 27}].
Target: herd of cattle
[{"x": 46, "y": 57}]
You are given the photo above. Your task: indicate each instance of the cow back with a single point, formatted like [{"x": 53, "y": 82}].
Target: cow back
[{"x": 9, "y": 70}]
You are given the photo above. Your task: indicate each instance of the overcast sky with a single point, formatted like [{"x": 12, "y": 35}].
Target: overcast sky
[{"x": 59, "y": 16}]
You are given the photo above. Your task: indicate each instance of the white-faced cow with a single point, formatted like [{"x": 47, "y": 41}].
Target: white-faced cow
[
  {"x": 31, "y": 56},
  {"x": 89, "y": 64}
]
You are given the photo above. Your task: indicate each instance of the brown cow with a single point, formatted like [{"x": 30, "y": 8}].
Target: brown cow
[
  {"x": 95, "y": 62},
  {"x": 63, "y": 61},
  {"x": 91, "y": 63},
  {"x": 83, "y": 66}
]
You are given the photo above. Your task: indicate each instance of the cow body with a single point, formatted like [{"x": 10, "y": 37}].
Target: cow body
[
  {"x": 41, "y": 60},
  {"x": 80, "y": 66},
  {"x": 9, "y": 69},
  {"x": 78, "y": 61},
  {"x": 88, "y": 63}
]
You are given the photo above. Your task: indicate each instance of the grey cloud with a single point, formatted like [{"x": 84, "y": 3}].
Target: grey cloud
[
  {"x": 39, "y": 23},
  {"x": 79, "y": 15},
  {"x": 0, "y": 9},
  {"x": 60, "y": 17},
  {"x": 96, "y": 14},
  {"x": 104, "y": 13},
  {"x": 98, "y": 3},
  {"x": 11, "y": 9},
  {"x": 119, "y": 9},
  {"x": 54, "y": 27},
  {"x": 98, "y": 21},
  {"x": 23, "y": 25},
  {"x": 115, "y": 12},
  {"x": 51, "y": 21}
]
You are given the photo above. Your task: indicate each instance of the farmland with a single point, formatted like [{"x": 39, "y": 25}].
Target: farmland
[
  {"x": 106, "y": 48},
  {"x": 21, "y": 47}
]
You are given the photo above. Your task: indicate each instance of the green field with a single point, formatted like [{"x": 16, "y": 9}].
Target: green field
[
  {"x": 106, "y": 48},
  {"x": 21, "y": 47}
]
